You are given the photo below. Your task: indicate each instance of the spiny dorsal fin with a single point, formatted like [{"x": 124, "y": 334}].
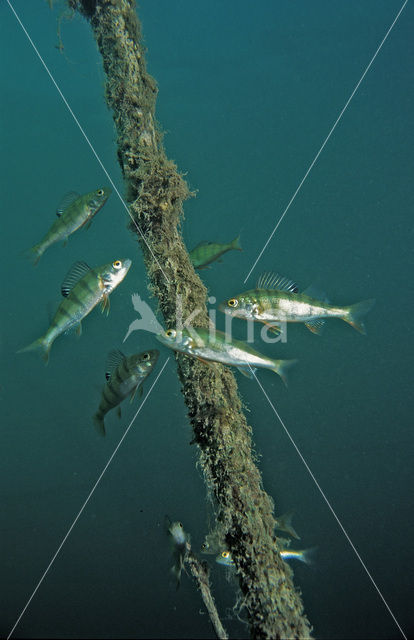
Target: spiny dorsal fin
[
  {"x": 270, "y": 280},
  {"x": 201, "y": 244},
  {"x": 114, "y": 359},
  {"x": 68, "y": 199},
  {"x": 75, "y": 273}
]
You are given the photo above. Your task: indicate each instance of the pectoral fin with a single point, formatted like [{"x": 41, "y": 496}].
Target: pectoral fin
[
  {"x": 207, "y": 362},
  {"x": 134, "y": 391},
  {"x": 105, "y": 304},
  {"x": 274, "y": 328},
  {"x": 87, "y": 223},
  {"x": 247, "y": 371}
]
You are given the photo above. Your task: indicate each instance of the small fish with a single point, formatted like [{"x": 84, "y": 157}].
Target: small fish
[
  {"x": 284, "y": 523},
  {"x": 207, "y": 252},
  {"x": 213, "y": 542},
  {"x": 82, "y": 289},
  {"x": 124, "y": 374},
  {"x": 303, "y": 555},
  {"x": 277, "y": 299},
  {"x": 180, "y": 540},
  {"x": 74, "y": 211},
  {"x": 207, "y": 345}
]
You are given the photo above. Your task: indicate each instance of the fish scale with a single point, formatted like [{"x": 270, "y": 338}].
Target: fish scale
[
  {"x": 83, "y": 288},
  {"x": 216, "y": 346},
  {"x": 286, "y": 304},
  {"x": 75, "y": 212},
  {"x": 125, "y": 376}
]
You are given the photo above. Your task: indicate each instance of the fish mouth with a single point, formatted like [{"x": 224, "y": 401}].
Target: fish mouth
[
  {"x": 126, "y": 264},
  {"x": 154, "y": 354},
  {"x": 225, "y": 309}
]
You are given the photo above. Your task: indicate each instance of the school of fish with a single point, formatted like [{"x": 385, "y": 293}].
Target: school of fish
[{"x": 275, "y": 300}]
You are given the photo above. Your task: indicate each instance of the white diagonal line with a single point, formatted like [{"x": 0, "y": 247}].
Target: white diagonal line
[
  {"x": 328, "y": 504},
  {"x": 85, "y": 136},
  {"x": 325, "y": 141},
  {"x": 84, "y": 504}
]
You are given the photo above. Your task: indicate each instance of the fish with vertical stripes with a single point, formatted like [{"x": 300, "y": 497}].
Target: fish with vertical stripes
[
  {"x": 277, "y": 299},
  {"x": 82, "y": 289},
  {"x": 75, "y": 211},
  {"x": 124, "y": 375}
]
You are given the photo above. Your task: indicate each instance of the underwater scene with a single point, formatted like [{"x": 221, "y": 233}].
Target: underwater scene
[{"x": 291, "y": 123}]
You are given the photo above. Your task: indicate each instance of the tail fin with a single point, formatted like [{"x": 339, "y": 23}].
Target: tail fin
[
  {"x": 235, "y": 244},
  {"x": 284, "y": 523},
  {"x": 308, "y": 555},
  {"x": 281, "y": 367},
  {"x": 34, "y": 253},
  {"x": 99, "y": 423},
  {"x": 41, "y": 345},
  {"x": 356, "y": 312}
]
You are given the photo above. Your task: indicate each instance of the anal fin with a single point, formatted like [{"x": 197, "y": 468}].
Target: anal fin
[{"x": 316, "y": 326}]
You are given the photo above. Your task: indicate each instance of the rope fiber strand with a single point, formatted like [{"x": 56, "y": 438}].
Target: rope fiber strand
[{"x": 155, "y": 191}]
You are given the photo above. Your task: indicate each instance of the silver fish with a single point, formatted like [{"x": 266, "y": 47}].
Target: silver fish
[
  {"x": 303, "y": 555},
  {"x": 207, "y": 345},
  {"x": 277, "y": 299},
  {"x": 180, "y": 540}
]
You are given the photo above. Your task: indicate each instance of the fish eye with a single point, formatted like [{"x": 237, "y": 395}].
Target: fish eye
[
  {"x": 180, "y": 525},
  {"x": 146, "y": 356},
  {"x": 204, "y": 545},
  {"x": 100, "y": 192},
  {"x": 225, "y": 554},
  {"x": 171, "y": 333},
  {"x": 117, "y": 264},
  {"x": 233, "y": 302}
]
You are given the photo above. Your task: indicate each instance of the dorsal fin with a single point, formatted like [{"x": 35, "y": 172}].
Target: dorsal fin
[
  {"x": 75, "y": 273},
  {"x": 114, "y": 359},
  {"x": 270, "y": 280},
  {"x": 201, "y": 244},
  {"x": 66, "y": 201},
  {"x": 313, "y": 291}
]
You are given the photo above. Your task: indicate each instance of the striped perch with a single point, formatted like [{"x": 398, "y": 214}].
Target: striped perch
[
  {"x": 73, "y": 212},
  {"x": 124, "y": 376},
  {"x": 82, "y": 289}
]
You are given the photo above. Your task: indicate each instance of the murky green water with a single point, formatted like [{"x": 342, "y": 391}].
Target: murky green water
[{"x": 247, "y": 95}]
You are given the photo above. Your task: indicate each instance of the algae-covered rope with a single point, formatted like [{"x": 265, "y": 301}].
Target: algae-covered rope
[{"x": 155, "y": 192}]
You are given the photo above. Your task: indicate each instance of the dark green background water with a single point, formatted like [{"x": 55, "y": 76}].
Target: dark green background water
[{"x": 248, "y": 93}]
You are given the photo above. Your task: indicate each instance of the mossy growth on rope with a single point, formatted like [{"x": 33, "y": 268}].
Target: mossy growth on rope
[{"x": 155, "y": 192}]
